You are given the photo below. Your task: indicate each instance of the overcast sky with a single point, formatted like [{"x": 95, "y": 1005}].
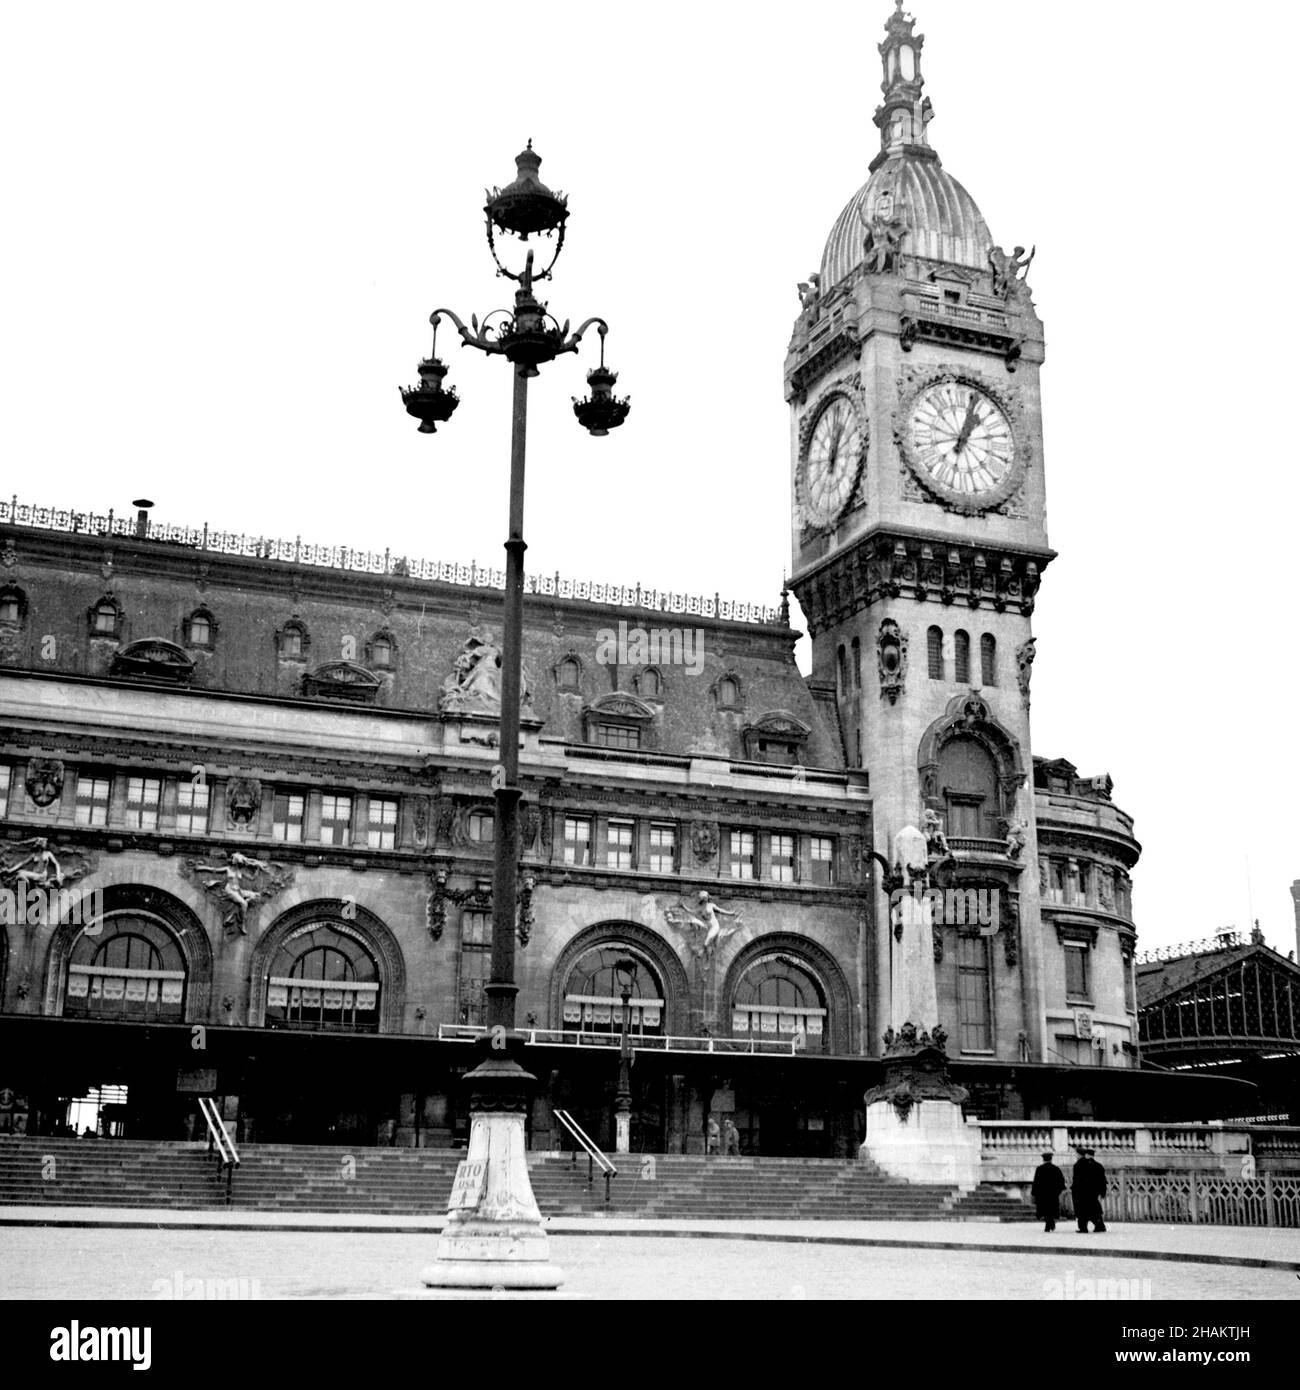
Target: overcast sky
[{"x": 227, "y": 226}]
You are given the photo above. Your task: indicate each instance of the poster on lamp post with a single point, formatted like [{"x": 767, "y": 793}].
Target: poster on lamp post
[{"x": 467, "y": 1188}]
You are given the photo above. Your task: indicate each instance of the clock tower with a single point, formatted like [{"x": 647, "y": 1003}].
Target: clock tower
[{"x": 919, "y": 541}]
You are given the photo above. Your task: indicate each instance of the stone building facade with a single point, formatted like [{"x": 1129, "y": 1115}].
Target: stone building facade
[{"x": 268, "y": 767}]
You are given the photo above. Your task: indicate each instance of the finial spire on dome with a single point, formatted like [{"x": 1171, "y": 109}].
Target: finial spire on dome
[{"x": 904, "y": 114}]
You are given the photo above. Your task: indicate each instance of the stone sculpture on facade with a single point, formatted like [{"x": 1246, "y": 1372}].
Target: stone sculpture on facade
[
  {"x": 39, "y": 867},
  {"x": 1025, "y": 654},
  {"x": 699, "y": 923},
  {"x": 913, "y": 995},
  {"x": 883, "y": 242},
  {"x": 1017, "y": 839},
  {"x": 1010, "y": 272},
  {"x": 242, "y": 882},
  {"x": 936, "y": 842},
  {"x": 474, "y": 683}
]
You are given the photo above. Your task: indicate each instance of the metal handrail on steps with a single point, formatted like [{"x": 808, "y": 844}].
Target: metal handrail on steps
[
  {"x": 220, "y": 1143},
  {"x": 595, "y": 1159}
]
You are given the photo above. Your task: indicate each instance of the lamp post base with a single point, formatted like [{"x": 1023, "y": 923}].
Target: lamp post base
[
  {"x": 622, "y": 1132},
  {"x": 500, "y": 1243}
]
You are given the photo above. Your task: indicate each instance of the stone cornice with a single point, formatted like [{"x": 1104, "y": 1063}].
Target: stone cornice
[{"x": 895, "y": 562}]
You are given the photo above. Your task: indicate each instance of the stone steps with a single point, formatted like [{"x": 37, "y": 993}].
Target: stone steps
[{"x": 282, "y": 1177}]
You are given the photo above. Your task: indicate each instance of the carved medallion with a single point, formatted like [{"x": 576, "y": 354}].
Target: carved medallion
[
  {"x": 44, "y": 780},
  {"x": 243, "y": 800},
  {"x": 891, "y": 655},
  {"x": 704, "y": 840}
]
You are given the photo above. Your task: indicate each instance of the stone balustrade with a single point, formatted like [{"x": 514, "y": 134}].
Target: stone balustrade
[{"x": 1011, "y": 1149}]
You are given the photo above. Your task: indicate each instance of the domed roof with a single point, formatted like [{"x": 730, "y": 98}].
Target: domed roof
[{"x": 941, "y": 220}]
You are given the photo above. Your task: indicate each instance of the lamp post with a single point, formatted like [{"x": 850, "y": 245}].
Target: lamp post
[
  {"x": 626, "y": 971},
  {"x": 497, "y": 1241}
]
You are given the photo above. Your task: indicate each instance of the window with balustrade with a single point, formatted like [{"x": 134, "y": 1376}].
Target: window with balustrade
[{"x": 968, "y": 777}]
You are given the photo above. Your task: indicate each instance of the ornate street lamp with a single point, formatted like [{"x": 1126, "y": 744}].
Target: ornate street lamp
[
  {"x": 498, "y": 1242},
  {"x": 626, "y": 972}
]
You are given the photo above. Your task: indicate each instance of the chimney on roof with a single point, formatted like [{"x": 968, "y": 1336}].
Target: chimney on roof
[{"x": 142, "y": 517}]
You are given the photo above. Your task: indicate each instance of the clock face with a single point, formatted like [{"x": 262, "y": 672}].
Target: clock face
[
  {"x": 961, "y": 441},
  {"x": 834, "y": 461}
]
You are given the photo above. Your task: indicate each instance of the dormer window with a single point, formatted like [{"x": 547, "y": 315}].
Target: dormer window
[
  {"x": 618, "y": 720},
  {"x": 778, "y": 737},
  {"x": 650, "y": 684},
  {"x": 726, "y": 693},
  {"x": 13, "y": 606},
  {"x": 341, "y": 680},
  {"x": 153, "y": 659},
  {"x": 200, "y": 629},
  {"x": 106, "y": 618},
  {"x": 381, "y": 651},
  {"x": 292, "y": 641}
]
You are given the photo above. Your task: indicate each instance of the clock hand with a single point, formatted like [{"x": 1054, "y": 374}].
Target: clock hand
[{"x": 968, "y": 425}]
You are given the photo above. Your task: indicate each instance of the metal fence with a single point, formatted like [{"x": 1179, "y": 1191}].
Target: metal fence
[
  {"x": 300, "y": 552},
  {"x": 1188, "y": 1200}
]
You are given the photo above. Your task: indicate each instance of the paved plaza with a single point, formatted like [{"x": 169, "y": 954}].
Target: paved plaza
[{"x": 153, "y": 1255}]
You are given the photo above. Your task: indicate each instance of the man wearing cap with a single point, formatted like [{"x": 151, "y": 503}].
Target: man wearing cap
[
  {"x": 1049, "y": 1183},
  {"x": 1087, "y": 1188}
]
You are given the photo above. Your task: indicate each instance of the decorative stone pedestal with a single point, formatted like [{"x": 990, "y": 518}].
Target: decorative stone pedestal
[
  {"x": 499, "y": 1243},
  {"x": 915, "y": 1127}
]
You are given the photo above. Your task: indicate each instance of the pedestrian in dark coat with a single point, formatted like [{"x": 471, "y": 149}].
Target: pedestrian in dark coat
[
  {"x": 1087, "y": 1188},
  {"x": 1049, "y": 1183}
]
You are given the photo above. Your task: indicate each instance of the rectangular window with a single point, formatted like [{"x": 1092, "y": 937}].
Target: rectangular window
[
  {"x": 822, "y": 859},
  {"x": 577, "y": 839},
  {"x": 617, "y": 736},
  {"x": 783, "y": 858},
  {"x": 142, "y": 797},
  {"x": 290, "y": 812},
  {"x": 381, "y": 825},
  {"x": 1055, "y": 881},
  {"x": 1076, "y": 971},
  {"x": 475, "y": 966},
  {"x": 481, "y": 827},
  {"x": 618, "y": 848},
  {"x": 6, "y": 776},
  {"x": 740, "y": 845},
  {"x": 974, "y": 1006},
  {"x": 192, "y": 808},
  {"x": 1130, "y": 986},
  {"x": 92, "y": 800},
  {"x": 335, "y": 819},
  {"x": 663, "y": 849},
  {"x": 1082, "y": 884}
]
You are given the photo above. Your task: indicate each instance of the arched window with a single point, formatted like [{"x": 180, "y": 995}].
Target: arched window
[
  {"x": 133, "y": 969},
  {"x": 380, "y": 650},
  {"x": 968, "y": 780},
  {"x": 934, "y": 651},
  {"x": 105, "y": 618},
  {"x": 988, "y": 659},
  {"x": 293, "y": 641},
  {"x": 729, "y": 693},
  {"x": 323, "y": 979},
  {"x": 568, "y": 674},
  {"x": 200, "y": 629},
  {"x": 650, "y": 683},
  {"x": 777, "y": 999},
  {"x": 961, "y": 646},
  {"x": 13, "y": 606},
  {"x": 842, "y": 669},
  {"x": 855, "y": 667},
  {"x": 593, "y": 993}
]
